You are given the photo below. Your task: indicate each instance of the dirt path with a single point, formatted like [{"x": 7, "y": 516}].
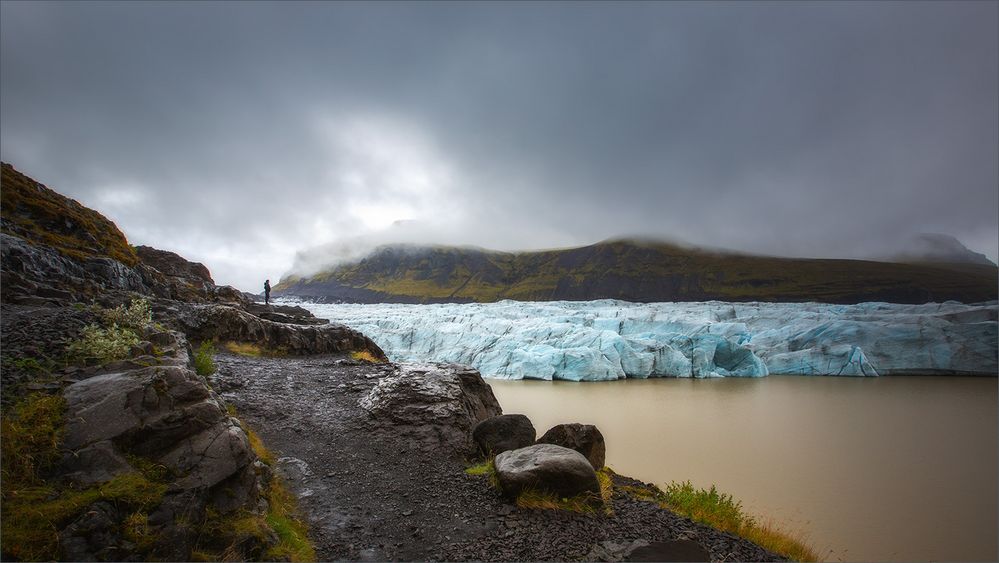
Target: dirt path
[{"x": 371, "y": 494}]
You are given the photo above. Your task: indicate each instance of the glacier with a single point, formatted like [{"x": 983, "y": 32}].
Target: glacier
[{"x": 609, "y": 339}]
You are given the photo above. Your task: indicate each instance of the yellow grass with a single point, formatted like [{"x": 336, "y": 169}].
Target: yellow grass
[
  {"x": 721, "y": 511},
  {"x": 244, "y": 349},
  {"x": 365, "y": 356}
]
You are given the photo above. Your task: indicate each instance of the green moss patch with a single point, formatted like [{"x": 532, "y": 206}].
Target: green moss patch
[{"x": 35, "y": 509}]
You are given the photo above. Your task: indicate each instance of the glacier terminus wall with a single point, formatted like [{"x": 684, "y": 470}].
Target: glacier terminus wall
[{"x": 607, "y": 339}]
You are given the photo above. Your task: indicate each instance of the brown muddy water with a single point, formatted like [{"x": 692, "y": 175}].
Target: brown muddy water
[{"x": 876, "y": 469}]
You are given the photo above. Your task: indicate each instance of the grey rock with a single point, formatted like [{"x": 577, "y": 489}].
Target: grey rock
[
  {"x": 95, "y": 529},
  {"x": 228, "y": 323},
  {"x": 435, "y": 403},
  {"x": 545, "y": 467},
  {"x": 165, "y": 413},
  {"x": 503, "y": 433},
  {"x": 584, "y": 438},
  {"x": 96, "y": 463}
]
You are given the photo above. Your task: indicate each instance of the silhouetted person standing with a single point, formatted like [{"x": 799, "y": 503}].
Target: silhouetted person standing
[{"x": 267, "y": 292}]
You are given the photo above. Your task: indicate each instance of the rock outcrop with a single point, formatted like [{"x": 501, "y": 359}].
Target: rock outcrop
[
  {"x": 584, "y": 438},
  {"x": 34, "y": 212},
  {"x": 156, "y": 443},
  {"x": 225, "y": 323},
  {"x": 503, "y": 433},
  {"x": 434, "y": 404},
  {"x": 55, "y": 252},
  {"x": 545, "y": 467},
  {"x": 147, "y": 463}
]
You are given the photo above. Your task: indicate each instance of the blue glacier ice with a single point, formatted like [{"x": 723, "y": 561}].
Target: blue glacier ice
[{"x": 607, "y": 339}]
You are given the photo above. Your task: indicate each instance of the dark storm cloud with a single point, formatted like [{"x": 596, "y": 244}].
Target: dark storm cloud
[{"x": 239, "y": 133}]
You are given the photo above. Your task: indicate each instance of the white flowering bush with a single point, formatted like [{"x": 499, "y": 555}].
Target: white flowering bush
[
  {"x": 103, "y": 344},
  {"x": 136, "y": 316}
]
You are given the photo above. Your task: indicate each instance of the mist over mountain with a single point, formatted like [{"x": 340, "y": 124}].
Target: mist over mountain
[
  {"x": 631, "y": 270},
  {"x": 936, "y": 247}
]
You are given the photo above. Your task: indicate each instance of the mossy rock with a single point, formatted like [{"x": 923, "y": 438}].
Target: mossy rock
[{"x": 42, "y": 216}]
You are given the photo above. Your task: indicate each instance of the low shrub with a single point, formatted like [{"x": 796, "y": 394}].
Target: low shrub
[
  {"x": 204, "y": 363},
  {"x": 102, "y": 344}
]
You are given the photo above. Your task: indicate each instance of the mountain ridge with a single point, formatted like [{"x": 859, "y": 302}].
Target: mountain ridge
[{"x": 632, "y": 270}]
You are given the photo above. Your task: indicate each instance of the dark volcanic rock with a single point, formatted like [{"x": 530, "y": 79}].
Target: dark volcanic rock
[
  {"x": 175, "y": 265},
  {"x": 227, "y": 323},
  {"x": 166, "y": 413},
  {"x": 545, "y": 467},
  {"x": 584, "y": 438},
  {"x": 503, "y": 433},
  {"x": 437, "y": 404},
  {"x": 284, "y": 314},
  {"x": 676, "y": 550}
]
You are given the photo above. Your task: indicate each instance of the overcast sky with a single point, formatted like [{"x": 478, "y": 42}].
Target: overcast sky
[{"x": 239, "y": 133}]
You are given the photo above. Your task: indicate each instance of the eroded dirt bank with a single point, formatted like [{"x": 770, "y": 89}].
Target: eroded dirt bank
[{"x": 374, "y": 490}]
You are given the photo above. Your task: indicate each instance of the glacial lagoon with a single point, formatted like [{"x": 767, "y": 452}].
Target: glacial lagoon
[{"x": 872, "y": 469}]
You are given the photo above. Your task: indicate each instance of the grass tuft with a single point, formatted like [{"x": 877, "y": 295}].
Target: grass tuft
[
  {"x": 204, "y": 364},
  {"x": 544, "y": 500},
  {"x": 32, "y": 431},
  {"x": 293, "y": 544},
  {"x": 721, "y": 511},
  {"x": 484, "y": 468},
  {"x": 225, "y": 535},
  {"x": 244, "y": 349},
  {"x": 364, "y": 356}
]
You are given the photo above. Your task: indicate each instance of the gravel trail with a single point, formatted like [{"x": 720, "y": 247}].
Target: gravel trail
[{"x": 373, "y": 494}]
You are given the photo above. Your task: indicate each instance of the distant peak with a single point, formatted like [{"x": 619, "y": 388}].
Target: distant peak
[{"x": 938, "y": 247}]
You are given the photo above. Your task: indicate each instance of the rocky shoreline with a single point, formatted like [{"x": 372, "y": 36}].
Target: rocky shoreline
[
  {"x": 120, "y": 444},
  {"x": 380, "y": 487}
]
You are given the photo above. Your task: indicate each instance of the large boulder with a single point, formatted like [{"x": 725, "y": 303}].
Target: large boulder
[
  {"x": 545, "y": 467},
  {"x": 126, "y": 417},
  {"x": 584, "y": 438},
  {"x": 503, "y": 433},
  {"x": 165, "y": 413},
  {"x": 434, "y": 404}
]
